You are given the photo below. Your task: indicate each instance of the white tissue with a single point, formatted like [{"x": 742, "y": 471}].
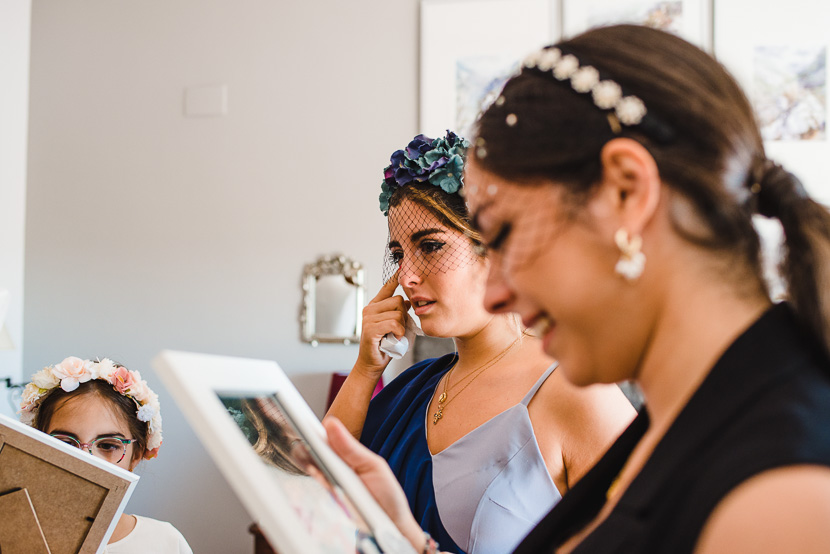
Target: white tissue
[{"x": 396, "y": 348}]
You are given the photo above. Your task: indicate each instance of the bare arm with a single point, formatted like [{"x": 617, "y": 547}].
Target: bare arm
[
  {"x": 781, "y": 510},
  {"x": 384, "y": 314}
]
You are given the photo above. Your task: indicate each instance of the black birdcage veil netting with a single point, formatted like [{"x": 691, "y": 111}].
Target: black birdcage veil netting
[
  {"x": 422, "y": 241},
  {"x": 517, "y": 222}
]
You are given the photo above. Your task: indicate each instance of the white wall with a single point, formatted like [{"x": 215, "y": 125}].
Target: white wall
[
  {"x": 148, "y": 230},
  {"x": 14, "y": 101}
]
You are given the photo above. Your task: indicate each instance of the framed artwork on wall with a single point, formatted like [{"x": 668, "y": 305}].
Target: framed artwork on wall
[
  {"x": 469, "y": 48},
  {"x": 779, "y": 56},
  {"x": 690, "y": 19}
]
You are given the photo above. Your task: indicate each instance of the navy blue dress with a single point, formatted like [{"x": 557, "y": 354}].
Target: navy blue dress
[{"x": 394, "y": 429}]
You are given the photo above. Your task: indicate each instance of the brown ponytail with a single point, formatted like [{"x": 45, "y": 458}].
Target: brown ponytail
[{"x": 780, "y": 195}]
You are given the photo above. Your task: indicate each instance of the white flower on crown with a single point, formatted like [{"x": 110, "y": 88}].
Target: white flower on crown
[
  {"x": 155, "y": 438},
  {"x": 45, "y": 379},
  {"x": 565, "y": 67},
  {"x": 155, "y": 424},
  {"x": 549, "y": 58},
  {"x": 585, "y": 79},
  {"x": 103, "y": 369},
  {"x": 31, "y": 394},
  {"x": 146, "y": 412},
  {"x": 606, "y": 94},
  {"x": 630, "y": 110}
]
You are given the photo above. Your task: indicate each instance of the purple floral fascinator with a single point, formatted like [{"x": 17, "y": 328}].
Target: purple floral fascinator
[{"x": 437, "y": 161}]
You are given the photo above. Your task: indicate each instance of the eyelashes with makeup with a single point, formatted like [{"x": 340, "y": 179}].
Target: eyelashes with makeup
[
  {"x": 426, "y": 247},
  {"x": 500, "y": 238}
]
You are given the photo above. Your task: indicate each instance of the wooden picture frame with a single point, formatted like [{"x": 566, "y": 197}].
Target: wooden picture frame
[{"x": 76, "y": 499}]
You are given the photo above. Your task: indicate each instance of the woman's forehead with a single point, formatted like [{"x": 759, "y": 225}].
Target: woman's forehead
[
  {"x": 481, "y": 188},
  {"x": 489, "y": 195},
  {"x": 409, "y": 218}
]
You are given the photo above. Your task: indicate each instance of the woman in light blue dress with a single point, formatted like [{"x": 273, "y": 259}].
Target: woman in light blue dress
[{"x": 485, "y": 440}]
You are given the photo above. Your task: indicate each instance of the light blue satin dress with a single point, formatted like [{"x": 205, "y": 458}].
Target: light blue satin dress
[{"x": 498, "y": 470}]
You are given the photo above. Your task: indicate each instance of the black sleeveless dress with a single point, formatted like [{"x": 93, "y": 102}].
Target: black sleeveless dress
[{"x": 765, "y": 404}]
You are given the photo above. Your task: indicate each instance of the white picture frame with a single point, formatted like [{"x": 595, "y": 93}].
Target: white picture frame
[
  {"x": 690, "y": 19},
  {"x": 197, "y": 381},
  {"x": 76, "y": 498},
  {"x": 469, "y": 48},
  {"x": 744, "y": 28}
]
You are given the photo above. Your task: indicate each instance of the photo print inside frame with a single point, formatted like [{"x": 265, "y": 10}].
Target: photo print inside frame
[{"x": 320, "y": 502}]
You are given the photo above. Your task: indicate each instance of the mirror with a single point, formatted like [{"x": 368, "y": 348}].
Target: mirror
[{"x": 333, "y": 291}]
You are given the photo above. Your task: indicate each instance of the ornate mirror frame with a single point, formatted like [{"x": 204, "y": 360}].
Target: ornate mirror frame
[{"x": 332, "y": 313}]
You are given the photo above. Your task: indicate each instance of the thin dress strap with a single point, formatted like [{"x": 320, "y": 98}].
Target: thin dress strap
[{"x": 532, "y": 392}]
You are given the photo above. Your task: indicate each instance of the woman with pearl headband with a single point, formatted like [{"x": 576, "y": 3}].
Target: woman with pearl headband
[{"x": 614, "y": 183}]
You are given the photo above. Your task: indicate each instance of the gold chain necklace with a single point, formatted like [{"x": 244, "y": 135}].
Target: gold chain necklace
[
  {"x": 436, "y": 417},
  {"x": 476, "y": 372}
]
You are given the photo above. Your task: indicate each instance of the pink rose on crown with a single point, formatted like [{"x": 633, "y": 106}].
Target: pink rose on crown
[
  {"x": 122, "y": 379},
  {"x": 73, "y": 371}
]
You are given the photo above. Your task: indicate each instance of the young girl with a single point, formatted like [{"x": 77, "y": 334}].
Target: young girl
[
  {"x": 487, "y": 439},
  {"x": 107, "y": 410}
]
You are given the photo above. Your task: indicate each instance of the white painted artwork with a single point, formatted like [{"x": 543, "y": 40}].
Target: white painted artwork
[{"x": 790, "y": 91}]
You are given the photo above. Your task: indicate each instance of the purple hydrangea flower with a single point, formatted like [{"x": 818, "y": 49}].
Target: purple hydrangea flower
[
  {"x": 439, "y": 162},
  {"x": 418, "y": 146}
]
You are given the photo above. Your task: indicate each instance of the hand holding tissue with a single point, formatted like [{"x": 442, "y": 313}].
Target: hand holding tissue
[{"x": 396, "y": 348}]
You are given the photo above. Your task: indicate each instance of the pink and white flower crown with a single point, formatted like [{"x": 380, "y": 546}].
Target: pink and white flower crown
[{"x": 72, "y": 371}]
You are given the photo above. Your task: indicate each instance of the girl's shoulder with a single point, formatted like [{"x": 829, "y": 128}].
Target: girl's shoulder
[{"x": 151, "y": 535}]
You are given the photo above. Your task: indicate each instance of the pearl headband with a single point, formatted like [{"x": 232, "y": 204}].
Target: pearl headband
[{"x": 606, "y": 94}]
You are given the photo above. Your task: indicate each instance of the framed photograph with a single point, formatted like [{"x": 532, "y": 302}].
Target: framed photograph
[
  {"x": 468, "y": 50},
  {"x": 54, "y": 497},
  {"x": 690, "y": 19},
  {"x": 272, "y": 449},
  {"x": 779, "y": 55}
]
